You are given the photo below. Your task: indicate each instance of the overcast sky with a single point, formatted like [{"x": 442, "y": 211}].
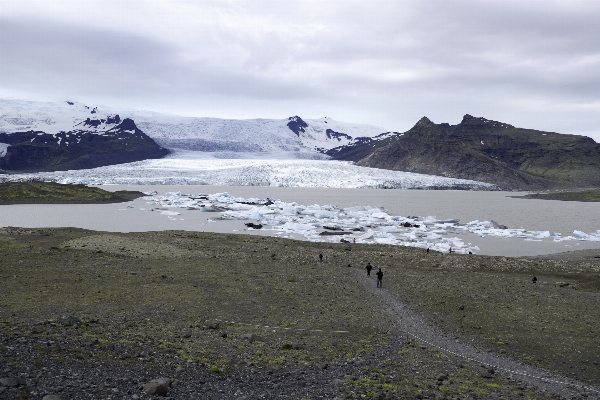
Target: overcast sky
[{"x": 533, "y": 64}]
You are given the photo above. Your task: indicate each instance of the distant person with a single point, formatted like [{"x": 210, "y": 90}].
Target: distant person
[
  {"x": 428, "y": 249},
  {"x": 379, "y": 278},
  {"x": 321, "y": 257},
  {"x": 369, "y": 267},
  {"x": 354, "y": 239},
  {"x": 450, "y": 250},
  {"x": 534, "y": 280}
]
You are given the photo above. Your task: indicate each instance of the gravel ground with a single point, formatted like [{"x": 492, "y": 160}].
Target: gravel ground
[
  {"x": 92, "y": 315},
  {"x": 415, "y": 327}
]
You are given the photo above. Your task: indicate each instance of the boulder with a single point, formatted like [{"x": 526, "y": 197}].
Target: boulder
[
  {"x": 10, "y": 382},
  {"x": 155, "y": 389},
  {"x": 251, "y": 337},
  {"x": 163, "y": 381}
]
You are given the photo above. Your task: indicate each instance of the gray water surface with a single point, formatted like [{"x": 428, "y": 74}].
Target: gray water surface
[{"x": 558, "y": 216}]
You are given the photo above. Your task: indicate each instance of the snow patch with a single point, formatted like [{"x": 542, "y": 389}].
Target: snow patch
[{"x": 3, "y": 149}]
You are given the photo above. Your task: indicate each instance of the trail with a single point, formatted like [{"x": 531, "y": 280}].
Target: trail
[{"x": 411, "y": 324}]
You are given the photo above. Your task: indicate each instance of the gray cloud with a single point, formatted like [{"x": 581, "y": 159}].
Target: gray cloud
[{"x": 529, "y": 63}]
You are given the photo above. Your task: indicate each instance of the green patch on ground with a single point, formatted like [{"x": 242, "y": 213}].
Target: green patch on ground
[
  {"x": 55, "y": 193},
  {"x": 585, "y": 196}
]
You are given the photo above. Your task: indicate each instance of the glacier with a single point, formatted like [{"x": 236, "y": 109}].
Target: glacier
[{"x": 268, "y": 169}]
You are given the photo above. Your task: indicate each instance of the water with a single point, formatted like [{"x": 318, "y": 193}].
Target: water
[{"x": 558, "y": 216}]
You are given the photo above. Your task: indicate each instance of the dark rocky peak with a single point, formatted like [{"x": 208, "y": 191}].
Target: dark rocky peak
[
  {"x": 337, "y": 135},
  {"x": 94, "y": 123},
  {"x": 469, "y": 120},
  {"x": 424, "y": 122},
  {"x": 94, "y": 111},
  {"x": 296, "y": 125},
  {"x": 126, "y": 125},
  {"x": 113, "y": 120},
  {"x": 70, "y": 103}
]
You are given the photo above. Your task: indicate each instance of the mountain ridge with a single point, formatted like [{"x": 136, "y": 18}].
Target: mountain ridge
[{"x": 484, "y": 150}]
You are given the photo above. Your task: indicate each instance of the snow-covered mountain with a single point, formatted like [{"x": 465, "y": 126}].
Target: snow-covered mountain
[
  {"x": 292, "y": 134},
  {"x": 98, "y": 142},
  {"x": 58, "y": 136}
]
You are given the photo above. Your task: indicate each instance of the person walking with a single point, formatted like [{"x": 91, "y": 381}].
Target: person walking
[
  {"x": 379, "y": 278},
  {"x": 321, "y": 257},
  {"x": 369, "y": 267}
]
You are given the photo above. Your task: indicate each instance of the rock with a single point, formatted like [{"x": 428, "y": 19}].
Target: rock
[
  {"x": 155, "y": 389},
  {"x": 70, "y": 320},
  {"x": 251, "y": 337},
  {"x": 496, "y": 225},
  {"x": 51, "y": 397},
  {"x": 214, "y": 325},
  {"x": 36, "y": 330},
  {"x": 224, "y": 335},
  {"x": 442, "y": 377},
  {"x": 10, "y": 382},
  {"x": 163, "y": 381},
  {"x": 461, "y": 307}
]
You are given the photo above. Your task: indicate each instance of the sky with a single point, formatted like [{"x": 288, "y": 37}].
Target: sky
[{"x": 533, "y": 64}]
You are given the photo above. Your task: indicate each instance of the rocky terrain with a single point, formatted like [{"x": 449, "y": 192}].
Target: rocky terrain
[
  {"x": 96, "y": 315},
  {"x": 484, "y": 150}
]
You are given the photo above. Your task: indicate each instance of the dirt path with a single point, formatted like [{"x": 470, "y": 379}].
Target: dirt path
[{"x": 412, "y": 325}]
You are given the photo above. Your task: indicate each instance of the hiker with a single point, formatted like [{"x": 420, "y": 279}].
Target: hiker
[
  {"x": 379, "y": 278},
  {"x": 369, "y": 267},
  {"x": 534, "y": 280},
  {"x": 321, "y": 257},
  {"x": 428, "y": 249},
  {"x": 450, "y": 251}
]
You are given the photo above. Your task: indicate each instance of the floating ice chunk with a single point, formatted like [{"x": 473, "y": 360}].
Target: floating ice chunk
[
  {"x": 368, "y": 235},
  {"x": 294, "y": 226},
  {"x": 177, "y": 194},
  {"x": 151, "y": 193},
  {"x": 380, "y": 215},
  {"x": 170, "y": 213}
]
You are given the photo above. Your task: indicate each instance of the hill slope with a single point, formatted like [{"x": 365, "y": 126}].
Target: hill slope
[{"x": 484, "y": 150}]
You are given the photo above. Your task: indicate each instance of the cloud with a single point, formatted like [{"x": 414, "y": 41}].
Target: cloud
[{"x": 382, "y": 62}]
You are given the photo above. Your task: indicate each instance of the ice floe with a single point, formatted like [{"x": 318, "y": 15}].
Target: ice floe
[{"x": 361, "y": 224}]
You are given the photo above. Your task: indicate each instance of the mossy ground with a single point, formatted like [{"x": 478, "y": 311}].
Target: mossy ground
[
  {"x": 123, "y": 298},
  {"x": 54, "y": 193},
  {"x": 584, "y": 195}
]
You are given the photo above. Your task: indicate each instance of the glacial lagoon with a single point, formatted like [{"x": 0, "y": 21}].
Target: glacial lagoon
[{"x": 542, "y": 217}]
